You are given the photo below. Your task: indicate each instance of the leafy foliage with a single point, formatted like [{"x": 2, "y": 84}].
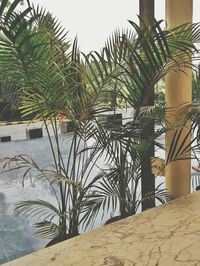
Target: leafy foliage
[
  {"x": 56, "y": 79},
  {"x": 196, "y": 85}
]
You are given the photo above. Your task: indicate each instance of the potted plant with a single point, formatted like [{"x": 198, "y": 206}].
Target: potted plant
[{"x": 54, "y": 80}]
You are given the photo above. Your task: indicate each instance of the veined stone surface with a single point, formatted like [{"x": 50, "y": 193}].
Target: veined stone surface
[{"x": 167, "y": 235}]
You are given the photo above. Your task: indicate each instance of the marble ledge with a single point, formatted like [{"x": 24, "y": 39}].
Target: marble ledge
[{"x": 167, "y": 235}]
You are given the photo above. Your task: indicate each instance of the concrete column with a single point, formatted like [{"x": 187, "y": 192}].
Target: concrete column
[{"x": 178, "y": 91}]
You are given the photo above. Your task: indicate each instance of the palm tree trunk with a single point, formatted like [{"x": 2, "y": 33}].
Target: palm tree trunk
[{"x": 148, "y": 179}]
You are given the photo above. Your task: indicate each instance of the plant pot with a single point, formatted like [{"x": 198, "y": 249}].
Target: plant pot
[
  {"x": 56, "y": 240},
  {"x": 112, "y": 220},
  {"x": 198, "y": 188}
]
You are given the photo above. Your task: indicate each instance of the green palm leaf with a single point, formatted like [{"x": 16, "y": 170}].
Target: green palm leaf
[
  {"x": 47, "y": 229},
  {"x": 38, "y": 209}
]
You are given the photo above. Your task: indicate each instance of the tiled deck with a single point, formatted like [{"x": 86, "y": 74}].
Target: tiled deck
[{"x": 167, "y": 235}]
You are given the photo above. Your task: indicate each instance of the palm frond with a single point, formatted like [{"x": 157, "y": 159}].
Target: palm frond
[
  {"x": 39, "y": 209},
  {"x": 47, "y": 229}
]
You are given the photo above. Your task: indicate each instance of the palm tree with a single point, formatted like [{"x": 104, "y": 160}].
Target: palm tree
[
  {"x": 196, "y": 85},
  {"x": 47, "y": 68},
  {"x": 8, "y": 3},
  {"x": 8, "y": 96},
  {"x": 55, "y": 78},
  {"x": 138, "y": 64}
]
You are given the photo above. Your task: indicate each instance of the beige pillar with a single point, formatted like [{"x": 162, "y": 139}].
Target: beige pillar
[{"x": 178, "y": 91}]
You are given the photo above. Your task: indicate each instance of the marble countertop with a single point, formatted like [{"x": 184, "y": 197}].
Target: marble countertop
[{"x": 167, "y": 235}]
